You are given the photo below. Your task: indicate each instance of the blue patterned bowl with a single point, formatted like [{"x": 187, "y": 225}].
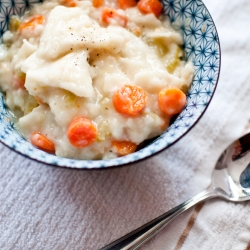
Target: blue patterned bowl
[{"x": 201, "y": 44}]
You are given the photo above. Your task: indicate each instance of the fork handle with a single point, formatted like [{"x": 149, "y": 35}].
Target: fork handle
[{"x": 138, "y": 237}]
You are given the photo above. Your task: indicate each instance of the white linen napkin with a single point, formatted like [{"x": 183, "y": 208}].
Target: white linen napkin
[{"x": 53, "y": 208}]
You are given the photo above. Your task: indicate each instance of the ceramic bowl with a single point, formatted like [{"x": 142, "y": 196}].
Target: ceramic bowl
[{"x": 201, "y": 45}]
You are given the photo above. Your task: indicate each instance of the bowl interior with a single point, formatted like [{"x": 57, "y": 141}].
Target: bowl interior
[{"x": 201, "y": 45}]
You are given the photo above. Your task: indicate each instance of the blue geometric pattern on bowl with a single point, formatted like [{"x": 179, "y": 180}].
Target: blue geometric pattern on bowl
[{"x": 201, "y": 45}]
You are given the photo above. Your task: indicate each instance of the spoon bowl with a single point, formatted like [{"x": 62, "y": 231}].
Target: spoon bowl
[
  {"x": 230, "y": 176},
  {"x": 230, "y": 181}
]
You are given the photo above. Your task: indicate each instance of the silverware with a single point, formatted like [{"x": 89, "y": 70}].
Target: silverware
[{"x": 230, "y": 181}]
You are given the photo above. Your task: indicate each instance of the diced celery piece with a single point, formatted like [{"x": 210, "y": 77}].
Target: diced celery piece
[
  {"x": 30, "y": 104},
  {"x": 173, "y": 60},
  {"x": 162, "y": 50},
  {"x": 14, "y": 23},
  {"x": 69, "y": 97},
  {"x": 103, "y": 131}
]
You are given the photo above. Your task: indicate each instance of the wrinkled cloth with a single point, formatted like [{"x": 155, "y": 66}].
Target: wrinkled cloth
[{"x": 47, "y": 208}]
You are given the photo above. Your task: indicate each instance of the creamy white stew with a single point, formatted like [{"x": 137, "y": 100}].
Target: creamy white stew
[{"x": 93, "y": 79}]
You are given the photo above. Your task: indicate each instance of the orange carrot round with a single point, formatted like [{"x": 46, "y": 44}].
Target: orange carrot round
[
  {"x": 42, "y": 142},
  {"x": 32, "y": 22},
  {"x": 130, "y": 100},
  {"x": 124, "y": 147},
  {"x": 81, "y": 132},
  {"x": 124, "y": 4},
  {"x": 97, "y": 3},
  {"x": 108, "y": 14},
  {"x": 72, "y": 4},
  {"x": 150, "y": 6},
  {"x": 68, "y": 3},
  {"x": 172, "y": 101}
]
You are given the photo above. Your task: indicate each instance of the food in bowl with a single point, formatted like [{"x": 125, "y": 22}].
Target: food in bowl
[{"x": 93, "y": 80}]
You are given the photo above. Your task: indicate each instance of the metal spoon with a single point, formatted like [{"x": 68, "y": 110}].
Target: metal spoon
[{"x": 230, "y": 181}]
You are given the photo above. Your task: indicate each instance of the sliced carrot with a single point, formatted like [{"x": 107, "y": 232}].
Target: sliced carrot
[
  {"x": 130, "y": 100},
  {"x": 124, "y": 4},
  {"x": 108, "y": 14},
  {"x": 81, "y": 132},
  {"x": 72, "y": 4},
  {"x": 42, "y": 142},
  {"x": 97, "y": 3},
  {"x": 150, "y": 6},
  {"x": 32, "y": 22},
  {"x": 172, "y": 101},
  {"x": 124, "y": 147},
  {"x": 68, "y": 3}
]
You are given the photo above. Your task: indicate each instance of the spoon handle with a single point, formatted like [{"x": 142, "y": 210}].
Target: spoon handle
[{"x": 138, "y": 237}]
